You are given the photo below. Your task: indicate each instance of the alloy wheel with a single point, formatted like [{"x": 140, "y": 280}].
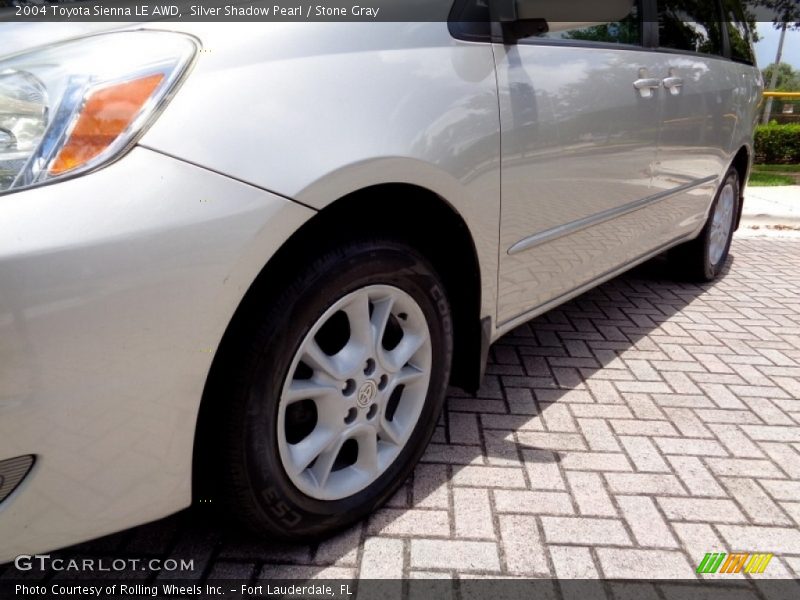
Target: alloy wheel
[
  {"x": 354, "y": 393},
  {"x": 721, "y": 224}
]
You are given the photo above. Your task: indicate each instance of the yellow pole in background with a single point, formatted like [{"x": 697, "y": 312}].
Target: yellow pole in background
[{"x": 782, "y": 95}]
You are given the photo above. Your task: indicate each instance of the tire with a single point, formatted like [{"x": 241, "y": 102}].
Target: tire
[
  {"x": 270, "y": 432},
  {"x": 703, "y": 258}
]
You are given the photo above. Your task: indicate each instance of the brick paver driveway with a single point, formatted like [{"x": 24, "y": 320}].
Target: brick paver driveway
[{"x": 624, "y": 434}]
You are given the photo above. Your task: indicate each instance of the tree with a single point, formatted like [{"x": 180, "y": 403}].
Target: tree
[
  {"x": 787, "y": 79},
  {"x": 785, "y": 14}
]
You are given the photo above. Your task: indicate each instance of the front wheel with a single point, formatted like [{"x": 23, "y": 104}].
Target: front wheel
[
  {"x": 703, "y": 258},
  {"x": 339, "y": 391}
]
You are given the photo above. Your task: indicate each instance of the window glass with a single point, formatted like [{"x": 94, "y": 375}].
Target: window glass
[
  {"x": 471, "y": 19},
  {"x": 625, "y": 29},
  {"x": 739, "y": 32},
  {"x": 691, "y": 25}
]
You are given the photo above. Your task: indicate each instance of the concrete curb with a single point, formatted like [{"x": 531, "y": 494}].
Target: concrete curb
[{"x": 772, "y": 207}]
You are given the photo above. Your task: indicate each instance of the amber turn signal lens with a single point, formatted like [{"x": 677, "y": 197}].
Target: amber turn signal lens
[{"x": 106, "y": 114}]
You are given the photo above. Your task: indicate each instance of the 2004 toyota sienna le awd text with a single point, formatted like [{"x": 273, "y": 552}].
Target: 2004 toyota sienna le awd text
[{"x": 244, "y": 261}]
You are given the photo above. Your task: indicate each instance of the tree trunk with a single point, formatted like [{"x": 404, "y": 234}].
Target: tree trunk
[{"x": 774, "y": 78}]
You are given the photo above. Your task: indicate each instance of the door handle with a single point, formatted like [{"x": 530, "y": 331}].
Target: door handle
[
  {"x": 673, "y": 84},
  {"x": 646, "y": 86}
]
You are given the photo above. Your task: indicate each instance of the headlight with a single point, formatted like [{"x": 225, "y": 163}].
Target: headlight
[{"x": 69, "y": 108}]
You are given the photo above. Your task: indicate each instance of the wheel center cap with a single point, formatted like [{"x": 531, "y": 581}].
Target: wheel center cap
[{"x": 367, "y": 393}]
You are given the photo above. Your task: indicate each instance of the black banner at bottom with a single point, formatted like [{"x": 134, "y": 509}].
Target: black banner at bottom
[{"x": 734, "y": 588}]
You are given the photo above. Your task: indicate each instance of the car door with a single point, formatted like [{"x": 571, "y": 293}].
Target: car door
[
  {"x": 580, "y": 116},
  {"x": 698, "y": 121}
]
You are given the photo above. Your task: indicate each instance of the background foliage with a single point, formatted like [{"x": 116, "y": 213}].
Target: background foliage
[{"x": 778, "y": 144}]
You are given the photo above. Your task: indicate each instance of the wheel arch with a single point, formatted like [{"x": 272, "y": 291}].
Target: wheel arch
[
  {"x": 400, "y": 211},
  {"x": 742, "y": 162}
]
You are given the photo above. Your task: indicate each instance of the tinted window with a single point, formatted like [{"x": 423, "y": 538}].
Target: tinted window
[
  {"x": 691, "y": 25},
  {"x": 739, "y": 32},
  {"x": 470, "y": 19},
  {"x": 625, "y": 29}
]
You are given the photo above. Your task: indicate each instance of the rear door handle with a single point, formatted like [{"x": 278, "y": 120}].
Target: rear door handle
[
  {"x": 673, "y": 84},
  {"x": 646, "y": 86}
]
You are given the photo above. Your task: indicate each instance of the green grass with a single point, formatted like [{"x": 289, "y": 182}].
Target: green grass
[
  {"x": 766, "y": 179},
  {"x": 778, "y": 168}
]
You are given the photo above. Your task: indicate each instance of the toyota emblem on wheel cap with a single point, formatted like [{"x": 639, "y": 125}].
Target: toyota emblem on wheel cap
[{"x": 367, "y": 393}]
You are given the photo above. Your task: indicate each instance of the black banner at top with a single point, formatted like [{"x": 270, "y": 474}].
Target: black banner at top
[{"x": 584, "y": 11}]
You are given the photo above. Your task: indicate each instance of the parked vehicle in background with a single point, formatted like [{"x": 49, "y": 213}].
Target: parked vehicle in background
[{"x": 244, "y": 262}]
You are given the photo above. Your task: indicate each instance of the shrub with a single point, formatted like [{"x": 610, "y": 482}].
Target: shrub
[{"x": 778, "y": 144}]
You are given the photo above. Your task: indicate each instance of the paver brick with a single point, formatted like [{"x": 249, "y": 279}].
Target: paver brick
[
  {"x": 720, "y": 394},
  {"x": 781, "y": 540},
  {"x": 594, "y": 461},
  {"x": 382, "y": 558},
  {"x": 744, "y": 467},
  {"x": 464, "y": 428},
  {"x": 557, "y": 417},
  {"x": 409, "y": 522},
  {"x": 523, "y": 548},
  {"x": 692, "y": 447},
  {"x": 644, "y": 483},
  {"x": 523, "y": 501},
  {"x": 646, "y": 523},
  {"x": 573, "y": 562},
  {"x": 551, "y": 441},
  {"x": 785, "y": 456},
  {"x": 341, "y": 549},
  {"x": 644, "y": 454},
  {"x": 590, "y": 494},
  {"x": 520, "y": 401},
  {"x": 685, "y": 420},
  {"x": 643, "y": 407},
  {"x": 727, "y": 416},
  {"x": 701, "y": 509},
  {"x": 472, "y": 476},
  {"x": 603, "y": 391},
  {"x": 543, "y": 471},
  {"x": 452, "y": 454},
  {"x": 601, "y": 411},
  {"x": 473, "y": 513},
  {"x": 772, "y": 433},
  {"x": 598, "y": 435},
  {"x": 512, "y": 422},
  {"x": 768, "y": 412},
  {"x": 620, "y": 563},
  {"x": 698, "y": 538},
  {"x": 736, "y": 442},
  {"x": 501, "y": 449},
  {"x": 697, "y": 401},
  {"x": 650, "y": 428},
  {"x": 754, "y": 501},
  {"x": 782, "y": 490},
  {"x": 430, "y": 486},
  {"x": 585, "y": 530},
  {"x": 448, "y": 554},
  {"x": 793, "y": 509}
]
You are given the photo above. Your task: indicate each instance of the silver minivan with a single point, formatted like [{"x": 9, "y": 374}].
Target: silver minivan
[{"x": 242, "y": 262}]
